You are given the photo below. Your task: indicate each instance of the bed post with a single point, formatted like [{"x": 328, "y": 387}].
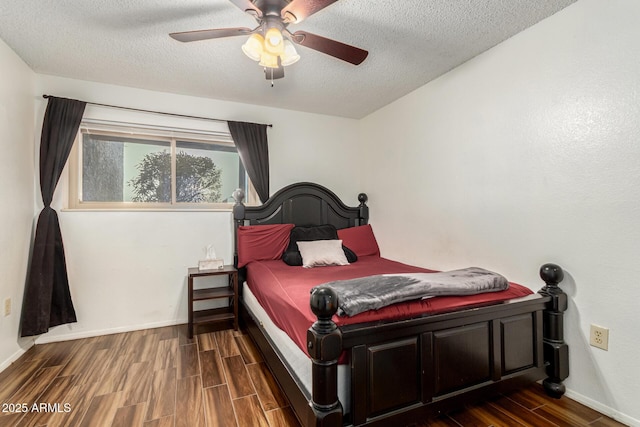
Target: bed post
[
  {"x": 556, "y": 351},
  {"x": 324, "y": 343},
  {"x": 363, "y": 209},
  {"x": 238, "y": 220}
]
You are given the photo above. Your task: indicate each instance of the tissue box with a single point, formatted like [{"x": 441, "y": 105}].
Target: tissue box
[{"x": 211, "y": 264}]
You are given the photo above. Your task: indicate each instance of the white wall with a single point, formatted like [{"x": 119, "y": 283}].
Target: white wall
[
  {"x": 127, "y": 270},
  {"x": 17, "y": 181},
  {"x": 528, "y": 154}
]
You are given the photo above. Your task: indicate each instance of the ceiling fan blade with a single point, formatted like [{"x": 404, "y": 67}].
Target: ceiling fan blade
[
  {"x": 333, "y": 48},
  {"x": 247, "y": 6},
  {"x": 274, "y": 73},
  {"x": 302, "y": 9},
  {"x": 192, "y": 36}
]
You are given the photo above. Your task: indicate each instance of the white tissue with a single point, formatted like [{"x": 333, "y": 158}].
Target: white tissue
[{"x": 210, "y": 252}]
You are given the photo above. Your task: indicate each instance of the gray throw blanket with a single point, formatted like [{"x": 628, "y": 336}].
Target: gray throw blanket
[{"x": 374, "y": 292}]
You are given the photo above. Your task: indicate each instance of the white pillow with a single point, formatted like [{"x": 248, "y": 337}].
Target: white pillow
[{"x": 322, "y": 252}]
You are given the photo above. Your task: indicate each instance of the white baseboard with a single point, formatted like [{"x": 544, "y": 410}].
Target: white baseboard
[
  {"x": 44, "y": 339},
  {"x": 604, "y": 409},
  {"x": 15, "y": 356}
]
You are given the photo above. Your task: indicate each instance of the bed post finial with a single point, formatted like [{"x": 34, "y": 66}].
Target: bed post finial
[
  {"x": 556, "y": 351},
  {"x": 552, "y": 274},
  {"x": 238, "y": 207},
  {"x": 324, "y": 344}
]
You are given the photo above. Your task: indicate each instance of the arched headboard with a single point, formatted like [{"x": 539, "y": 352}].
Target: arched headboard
[{"x": 303, "y": 204}]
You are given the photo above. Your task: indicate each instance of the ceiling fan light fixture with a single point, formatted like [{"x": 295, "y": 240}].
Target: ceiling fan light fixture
[
  {"x": 271, "y": 44},
  {"x": 273, "y": 41},
  {"x": 253, "y": 47},
  {"x": 268, "y": 60},
  {"x": 289, "y": 55},
  {"x": 290, "y": 18}
]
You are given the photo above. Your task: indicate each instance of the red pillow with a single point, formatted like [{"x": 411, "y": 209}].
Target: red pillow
[
  {"x": 360, "y": 240},
  {"x": 262, "y": 242}
]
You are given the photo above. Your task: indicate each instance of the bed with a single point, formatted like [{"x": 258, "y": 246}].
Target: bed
[{"x": 390, "y": 366}]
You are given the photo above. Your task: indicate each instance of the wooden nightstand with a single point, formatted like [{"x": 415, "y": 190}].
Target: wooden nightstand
[{"x": 223, "y": 314}]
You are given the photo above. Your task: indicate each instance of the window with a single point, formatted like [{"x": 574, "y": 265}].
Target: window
[{"x": 127, "y": 166}]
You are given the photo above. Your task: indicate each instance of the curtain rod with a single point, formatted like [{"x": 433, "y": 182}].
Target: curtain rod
[{"x": 151, "y": 111}]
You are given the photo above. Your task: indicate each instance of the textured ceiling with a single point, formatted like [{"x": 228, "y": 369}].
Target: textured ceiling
[{"x": 126, "y": 42}]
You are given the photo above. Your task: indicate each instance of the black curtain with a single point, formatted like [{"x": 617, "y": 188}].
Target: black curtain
[
  {"x": 47, "y": 300},
  {"x": 251, "y": 141}
]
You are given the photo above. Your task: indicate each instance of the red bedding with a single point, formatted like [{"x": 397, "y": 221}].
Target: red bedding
[{"x": 284, "y": 293}]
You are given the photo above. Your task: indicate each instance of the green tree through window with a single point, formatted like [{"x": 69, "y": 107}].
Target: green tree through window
[{"x": 197, "y": 179}]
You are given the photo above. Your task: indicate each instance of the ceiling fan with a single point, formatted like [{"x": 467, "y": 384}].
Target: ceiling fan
[{"x": 270, "y": 43}]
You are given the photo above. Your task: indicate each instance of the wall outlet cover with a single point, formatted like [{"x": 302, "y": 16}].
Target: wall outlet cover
[{"x": 599, "y": 337}]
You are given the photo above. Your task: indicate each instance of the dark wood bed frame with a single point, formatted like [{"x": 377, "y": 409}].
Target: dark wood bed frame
[{"x": 404, "y": 372}]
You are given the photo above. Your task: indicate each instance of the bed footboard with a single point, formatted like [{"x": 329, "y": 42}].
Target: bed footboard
[{"x": 411, "y": 370}]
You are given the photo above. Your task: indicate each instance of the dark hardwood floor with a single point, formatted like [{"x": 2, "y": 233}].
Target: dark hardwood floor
[{"x": 160, "y": 378}]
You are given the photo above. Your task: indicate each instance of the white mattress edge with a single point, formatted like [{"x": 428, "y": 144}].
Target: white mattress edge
[{"x": 298, "y": 361}]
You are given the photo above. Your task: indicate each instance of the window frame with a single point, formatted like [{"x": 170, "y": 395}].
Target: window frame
[{"x": 157, "y": 133}]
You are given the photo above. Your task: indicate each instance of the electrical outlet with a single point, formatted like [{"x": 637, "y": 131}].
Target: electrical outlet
[
  {"x": 599, "y": 337},
  {"x": 7, "y": 307}
]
